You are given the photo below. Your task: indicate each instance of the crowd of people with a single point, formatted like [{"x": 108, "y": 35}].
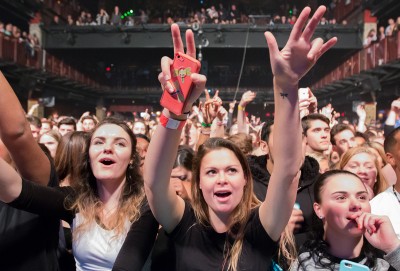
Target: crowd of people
[
  {"x": 30, "y": 41},
  {"x": 204, "y": 189},
  {"x": 214, "y": 14}
]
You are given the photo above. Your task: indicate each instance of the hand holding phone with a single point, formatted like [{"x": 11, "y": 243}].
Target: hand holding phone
[
  {"x": 181, "y": 69},
  {"x": 346, "y": 265}
]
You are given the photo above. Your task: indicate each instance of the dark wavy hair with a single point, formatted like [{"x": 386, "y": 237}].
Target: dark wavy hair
[
  {"x": 317, "y": 246},
  {"x": 86, "y": 200}
]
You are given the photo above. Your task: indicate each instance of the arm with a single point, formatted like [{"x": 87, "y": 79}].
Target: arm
[
  {"x": 362, "y": 115},
  {"x": 165, "y": 204},
  {"x": 15, "y": 132},
  {"x": 288, "y": 66},
  {"x": 393, "y": 113},
  {"x": 230, "y": 114},
  {"x": 208, "y": 113},
  {"x": 247, "y": 98},
  {"x": 138, "y": 243}
]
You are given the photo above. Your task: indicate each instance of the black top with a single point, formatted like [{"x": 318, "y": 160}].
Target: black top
[
  {"x": 49, "y": 202},
  {"x": 199, "y": 247},
  {"x": 28, "y": 241}
]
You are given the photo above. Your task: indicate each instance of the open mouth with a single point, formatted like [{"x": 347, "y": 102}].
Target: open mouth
[
  {"x": 107, "y": 162},
  {"x": 222, "y": 194}
]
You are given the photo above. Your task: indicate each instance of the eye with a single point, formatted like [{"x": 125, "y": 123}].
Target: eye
[
  {"x": 121, "y": 144},
  {"x": 97, "y": 142},
  {"x": 211, "y": 172},
  {"x": 232, "y": 170},
  {"x": 340, "y": 197}
]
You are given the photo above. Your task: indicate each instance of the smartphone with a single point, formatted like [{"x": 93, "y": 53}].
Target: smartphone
[
  {"x": 303, "y": 93},
  {"x": 181, "y": 69},
  {"x": 346, "y": 265}
]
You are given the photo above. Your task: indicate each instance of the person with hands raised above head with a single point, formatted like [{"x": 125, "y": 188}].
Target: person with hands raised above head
[
  {"x": 344, "y": 228},
  {"x": 225, "y": 227}
]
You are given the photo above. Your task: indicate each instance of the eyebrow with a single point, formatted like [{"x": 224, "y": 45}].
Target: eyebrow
[
  {"x": 345, "y": 192},
  {"x": 115, "y": 139}
]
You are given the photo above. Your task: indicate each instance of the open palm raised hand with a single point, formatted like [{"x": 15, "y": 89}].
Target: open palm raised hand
[{"x": 300, "y": 52}]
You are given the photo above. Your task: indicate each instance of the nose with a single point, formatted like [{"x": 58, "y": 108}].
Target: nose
[
  {"x": 355, "y": 204},
  {"x": 107, "y": 148},
  {"x": 221, "y": 178},
  {"x": 361, "y": 170}
]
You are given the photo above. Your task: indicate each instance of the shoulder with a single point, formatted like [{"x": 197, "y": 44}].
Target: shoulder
[{"x": 382, "y": 199}]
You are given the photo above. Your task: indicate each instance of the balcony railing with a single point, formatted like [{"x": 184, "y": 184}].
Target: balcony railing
[
  {"x": 12, "y": 52},
  {"x": 368, "y": 58}
]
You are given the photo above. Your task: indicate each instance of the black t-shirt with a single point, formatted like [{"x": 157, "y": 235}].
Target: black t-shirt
[
  {"x": 199, "y": 247},
  {"x": 28, "y": 241}
]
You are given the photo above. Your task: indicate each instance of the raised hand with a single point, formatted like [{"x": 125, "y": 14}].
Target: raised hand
[
  {"x": 211, "y": 107},
  {"x": 198, "y": 80},
  {"x": 300, "y": 52},
  {"x": 247, "y": 98}
]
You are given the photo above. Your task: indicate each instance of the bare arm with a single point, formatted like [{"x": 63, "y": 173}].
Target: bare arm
[
  {"x": 288, "y": 66},
  {"x": 165, "y": 204},
  {"x": 247, "y": 98},
  {"x": 10, "y": 182},
  {"x": 16, "y": 134}
]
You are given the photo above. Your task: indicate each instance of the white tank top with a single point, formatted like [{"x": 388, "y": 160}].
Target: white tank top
[{"x": 96, "y": 248}]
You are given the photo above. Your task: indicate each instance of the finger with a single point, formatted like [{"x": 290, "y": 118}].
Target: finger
[
  {"x": 190, "y": 44},
  {"x": 272, "y": 45},
  {"x": 199, "y": 82},
  {"x": 166, "y": 63},
  {"x": 207, "y": 94},
  {"x": 216, "y": 94},
  {"x": 316, "y": 46},
  {"x": 326, "y": 46},
  {"x": 298, "y": 26},
  {"x": 176, "y": 39},
  {"x": 314, "y": 21}
]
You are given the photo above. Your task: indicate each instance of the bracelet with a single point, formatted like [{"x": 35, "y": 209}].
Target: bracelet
[
  {"x": 206, "y": 124},
  {"x": 171, "y": 123},
  {"x": 242, "y": 108}
]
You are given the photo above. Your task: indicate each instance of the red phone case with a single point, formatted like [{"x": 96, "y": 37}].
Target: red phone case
[{"x": 181, "y": 69}]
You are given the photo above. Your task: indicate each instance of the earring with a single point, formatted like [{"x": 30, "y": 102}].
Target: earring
[{"x": 321, "y": 217}]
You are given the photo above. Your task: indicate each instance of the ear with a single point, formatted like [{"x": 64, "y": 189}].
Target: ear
[
  {"x": 264, "y": 147},
  {"x": 390, "y": 159},
  {"x": 318, "y": 210}
]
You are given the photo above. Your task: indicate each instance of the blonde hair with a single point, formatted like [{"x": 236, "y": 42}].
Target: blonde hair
[
  {"x": 381, "y": 183},
  {"x": 240, "y": 215}
]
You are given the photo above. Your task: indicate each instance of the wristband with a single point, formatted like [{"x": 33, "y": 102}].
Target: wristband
[
  {"x": 172, "y": 123},
  {"x": 241, "y": 107},
  {"x": 206, "y": 124}
]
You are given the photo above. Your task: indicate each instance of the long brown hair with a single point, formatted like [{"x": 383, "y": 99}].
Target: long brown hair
[
  {"x": 87, "y": 201},
  {"x": 69, "y": 158},
  {"x": 240, "y": 214}
]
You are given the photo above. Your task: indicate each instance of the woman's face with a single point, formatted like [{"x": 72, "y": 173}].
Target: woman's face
[
  {"x": 343, "y": 199},
  {"x": 221, "y": 181},
  {"x": 51, "y": 144},
  {"x": 139, "y": 128},
  {"x": 110, "y": 153},
  {"x": 363, "y": 165},
  {"x": 181, "y": 181}
]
